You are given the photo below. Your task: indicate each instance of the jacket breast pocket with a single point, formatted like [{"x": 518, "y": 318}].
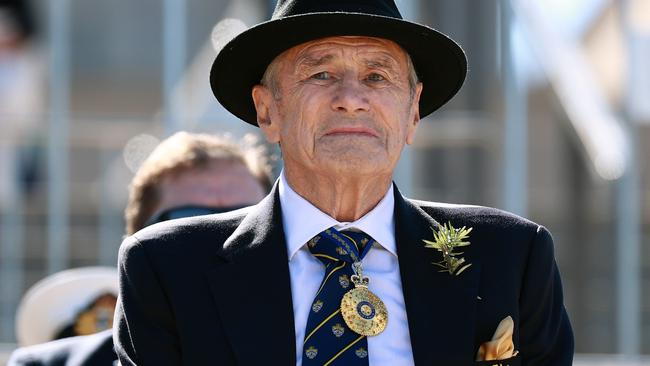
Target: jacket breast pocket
[{"x": 512, "y": 361}]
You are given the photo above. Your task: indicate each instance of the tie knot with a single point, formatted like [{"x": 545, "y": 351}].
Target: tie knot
[{"x": 333, "y": 246}]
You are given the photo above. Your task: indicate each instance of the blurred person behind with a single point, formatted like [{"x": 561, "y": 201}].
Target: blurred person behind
[
  {"x": 22, "y": 86},
  {"x": 186, "y": 175},
  {"x": 197, "y": 172}
]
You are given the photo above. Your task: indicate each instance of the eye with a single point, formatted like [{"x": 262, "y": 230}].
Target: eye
[
  {"x": 323, "y": 75},
  {"x": 375, "y": 77}
]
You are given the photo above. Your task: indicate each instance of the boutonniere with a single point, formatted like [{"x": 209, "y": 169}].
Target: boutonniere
[{"x": 446, "y": 240}]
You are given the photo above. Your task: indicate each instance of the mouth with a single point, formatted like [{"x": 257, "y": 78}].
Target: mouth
[{"x": 352, "y": 131}]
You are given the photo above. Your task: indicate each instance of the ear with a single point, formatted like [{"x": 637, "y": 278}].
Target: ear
[
  {"x": 264, "y": 104},
  {"x": 415, "y": 112}
]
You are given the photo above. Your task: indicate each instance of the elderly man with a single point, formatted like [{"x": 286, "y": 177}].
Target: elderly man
[{"x": 335, "y": 266}]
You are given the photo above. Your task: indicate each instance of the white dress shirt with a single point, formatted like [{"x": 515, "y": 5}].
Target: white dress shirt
[{"x": 301, "y": 222}]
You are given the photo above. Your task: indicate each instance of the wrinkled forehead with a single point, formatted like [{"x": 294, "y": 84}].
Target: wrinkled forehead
[{"x": 369, "y": 49}]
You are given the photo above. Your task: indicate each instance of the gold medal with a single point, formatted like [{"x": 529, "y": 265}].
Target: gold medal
[{"x": 362, "y": 310}]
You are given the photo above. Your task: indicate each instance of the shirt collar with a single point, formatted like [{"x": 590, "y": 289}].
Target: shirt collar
[{"x": 302, "y": 221}]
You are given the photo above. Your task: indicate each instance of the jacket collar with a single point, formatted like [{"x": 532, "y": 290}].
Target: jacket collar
[{"x": 302, "y": 220}]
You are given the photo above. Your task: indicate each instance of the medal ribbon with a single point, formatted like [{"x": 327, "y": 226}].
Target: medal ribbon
[{"x": 328, "y": 339}]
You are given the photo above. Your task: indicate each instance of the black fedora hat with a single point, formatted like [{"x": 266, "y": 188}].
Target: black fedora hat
[{"x": 440, "y": 63}]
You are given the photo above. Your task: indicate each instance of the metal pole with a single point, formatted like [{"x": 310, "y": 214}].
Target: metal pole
[
  {"x": 628, "y": 224},
  {"x": 58, "y": 157},
  {"x": 110, "y": 225},
  {"x": 515, "y": 150},
  {"x": 174, "y": 49},
  {"x": 11, "y": 247},
  {"x": 404, "y": 171},
  {"x": 628, "y": 282}
]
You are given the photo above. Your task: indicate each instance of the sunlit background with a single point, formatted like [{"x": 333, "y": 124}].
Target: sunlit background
[{"x": 553, "y": 123}]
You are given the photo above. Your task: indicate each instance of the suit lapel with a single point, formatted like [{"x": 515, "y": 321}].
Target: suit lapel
[
  {"x": 441, "y": 308},
  {"x": 252, "y": 289}
]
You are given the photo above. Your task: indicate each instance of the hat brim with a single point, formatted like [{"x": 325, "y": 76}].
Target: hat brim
[
  {"x": 54, "y": 301},
  {"x": 439, "y": 62}
]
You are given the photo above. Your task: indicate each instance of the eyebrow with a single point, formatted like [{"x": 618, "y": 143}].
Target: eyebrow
[
  {"x": 314, "y": 61},
  {"x": 380, "y": 63}
]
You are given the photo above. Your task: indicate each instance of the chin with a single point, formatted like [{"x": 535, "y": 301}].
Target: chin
[
  {"x": 355, "y": 165},
  {"x": 354, "y": 159}
]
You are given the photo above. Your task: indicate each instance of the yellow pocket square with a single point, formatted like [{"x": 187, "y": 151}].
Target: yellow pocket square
[{"x": 501, "y": 346}]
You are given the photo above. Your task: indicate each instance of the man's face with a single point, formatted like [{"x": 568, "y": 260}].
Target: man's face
[
  {"x": 220, "y": 184},
  {"x": 343, "y": 105}
]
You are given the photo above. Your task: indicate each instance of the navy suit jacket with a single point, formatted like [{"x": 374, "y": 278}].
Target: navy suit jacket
[
  {"x": 215, "y": 290},
  {"x": 90, "y": 350}
]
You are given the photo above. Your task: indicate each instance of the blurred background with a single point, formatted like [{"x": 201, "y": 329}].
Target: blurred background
[{"x": 553, "y": 123}]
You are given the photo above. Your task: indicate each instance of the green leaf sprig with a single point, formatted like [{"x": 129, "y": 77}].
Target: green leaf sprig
[{"x": 446, "y": 240}]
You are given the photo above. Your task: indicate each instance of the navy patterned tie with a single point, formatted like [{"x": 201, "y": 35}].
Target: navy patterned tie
[{"x": 328, "y": 340}]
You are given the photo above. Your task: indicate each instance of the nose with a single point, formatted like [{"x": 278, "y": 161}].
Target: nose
[{"x": 350, "y": 97}]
